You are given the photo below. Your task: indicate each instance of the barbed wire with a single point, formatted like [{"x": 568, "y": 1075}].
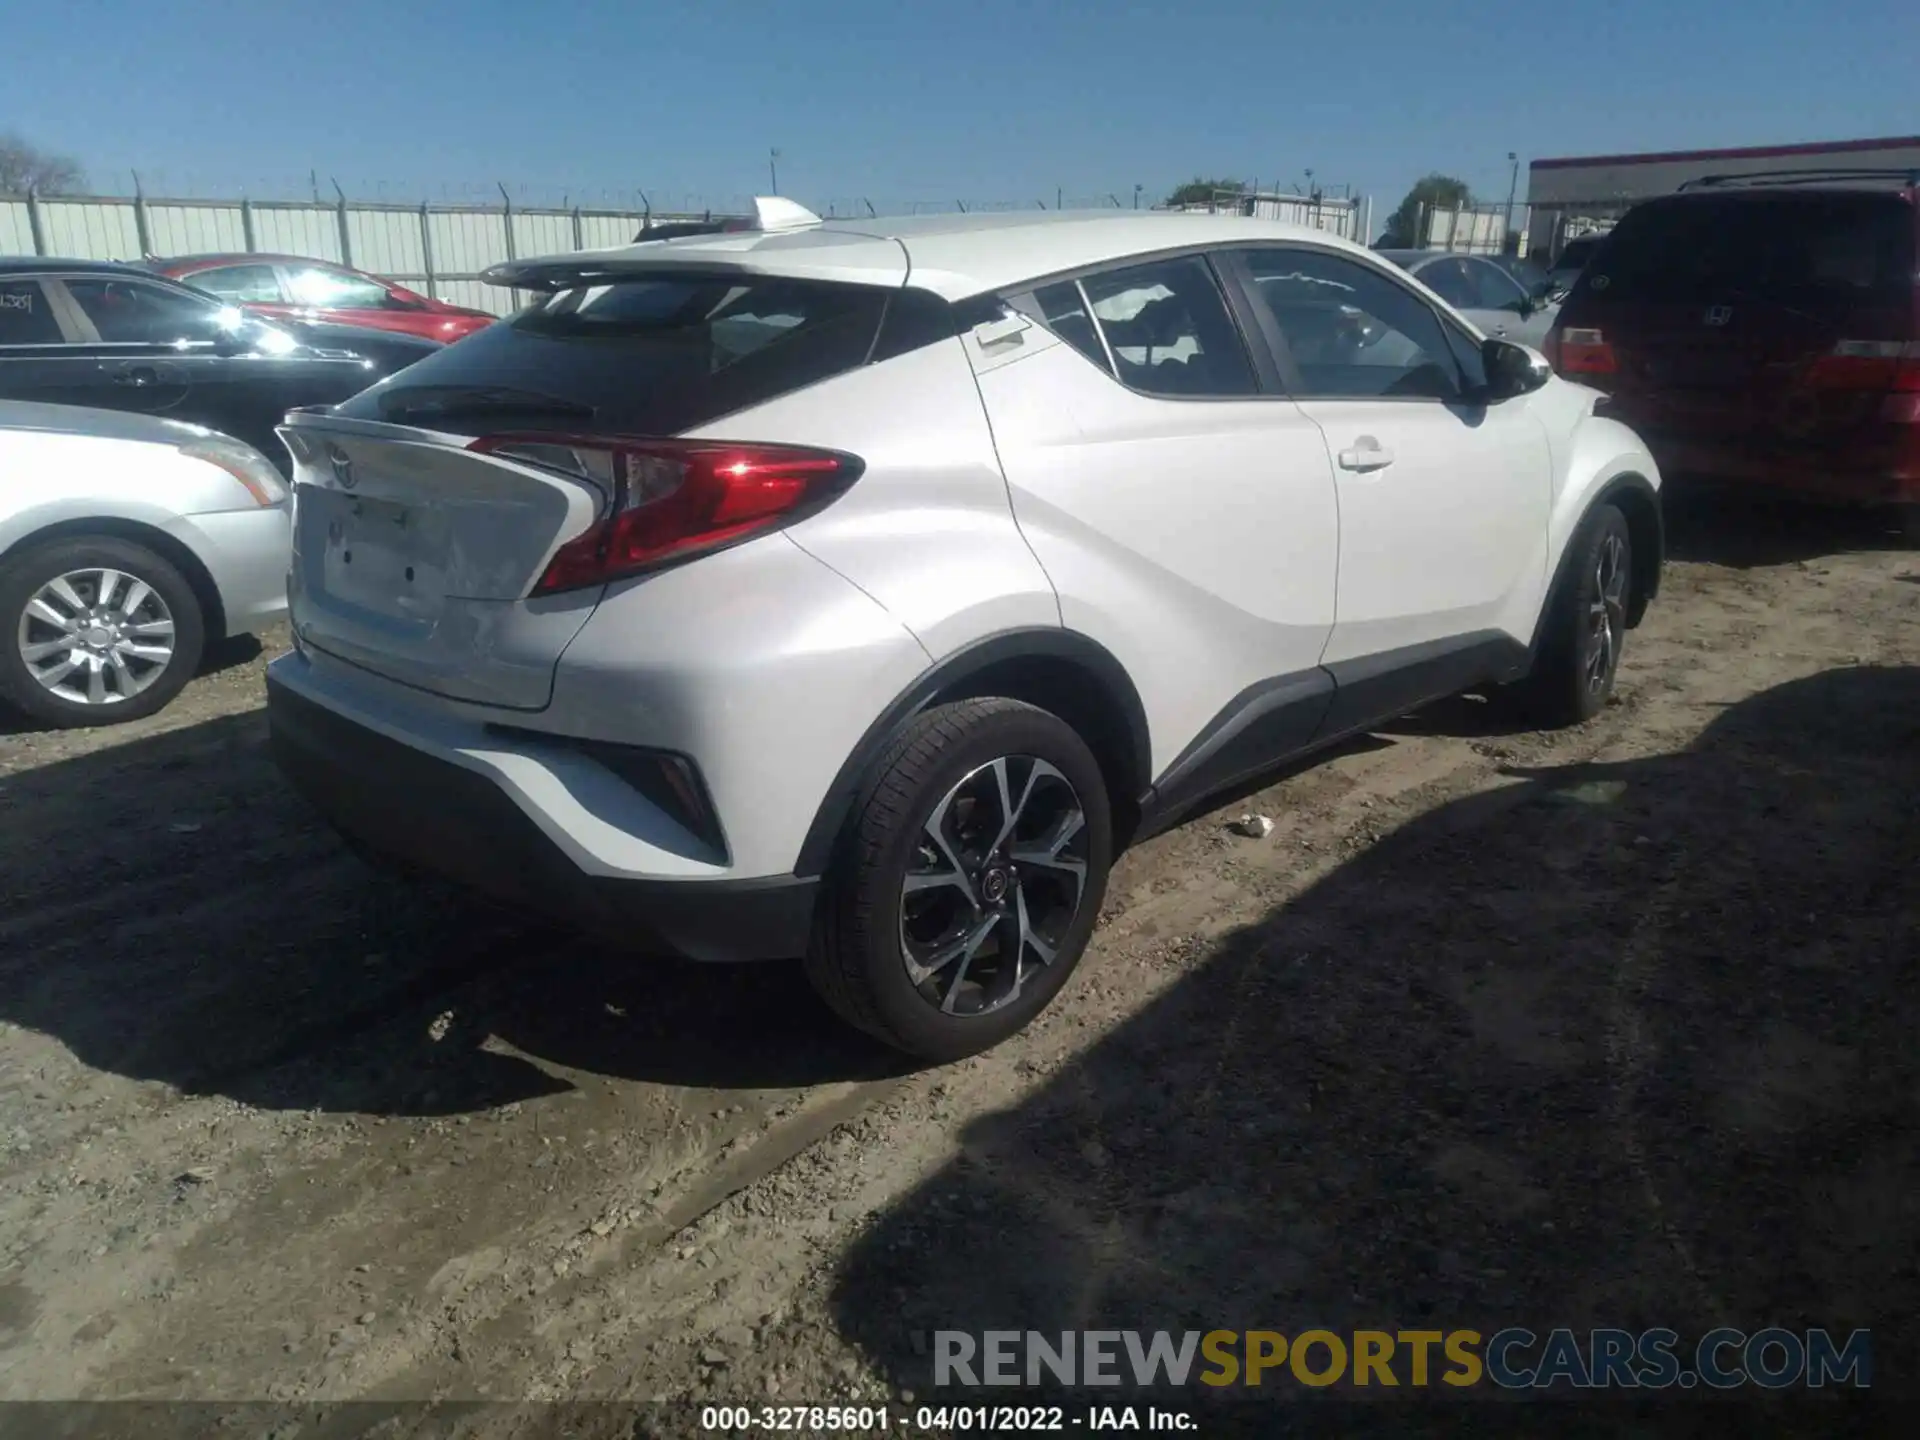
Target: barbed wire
[{"x": 164, "y": 183}]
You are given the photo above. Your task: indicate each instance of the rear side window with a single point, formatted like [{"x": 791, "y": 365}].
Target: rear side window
[
  {"x": 1168, "y": 329},
  {"x": 1804, "y": 249},
  {"x": 25, "y": 318},
  {"x": 654, "y": 354}
]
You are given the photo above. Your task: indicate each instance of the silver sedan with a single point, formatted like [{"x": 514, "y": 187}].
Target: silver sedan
[
  {"x": 1483, "y": 291},
  {"x": 126, "y": 544}
]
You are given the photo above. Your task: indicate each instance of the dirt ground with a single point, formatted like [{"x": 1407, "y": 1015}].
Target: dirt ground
[{"x": 1609, "y": 1027}]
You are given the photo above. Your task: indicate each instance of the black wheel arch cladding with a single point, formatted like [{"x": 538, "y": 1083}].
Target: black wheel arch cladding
[
  {"x": 1057, "y": 670},
  {"x": 1639, "y": 504}
]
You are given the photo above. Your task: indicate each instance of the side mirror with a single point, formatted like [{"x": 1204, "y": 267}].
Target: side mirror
[
  {"x": 398, "y": 299},
  {"x": 1513, "y": 370}
]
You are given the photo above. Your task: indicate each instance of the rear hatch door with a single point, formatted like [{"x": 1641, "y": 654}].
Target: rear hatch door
[
  {"x": 419, "y": 558},
  {"x": 414, "y": 558},
  {"x": 1726, "y": 313}
]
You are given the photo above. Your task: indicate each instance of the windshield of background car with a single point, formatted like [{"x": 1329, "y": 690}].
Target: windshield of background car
[
  {"x": 655, "y": 354},
  {"x": 1530, "y": 275},
  {"x": 1576, "y": 253},
  {"x": 1800, "y": 249}
]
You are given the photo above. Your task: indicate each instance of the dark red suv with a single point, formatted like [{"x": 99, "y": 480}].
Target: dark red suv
[{"x": 1764, "y": 331}]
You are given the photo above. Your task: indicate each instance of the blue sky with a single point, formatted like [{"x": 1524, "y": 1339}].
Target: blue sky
[{"x": 985, "y": 100}]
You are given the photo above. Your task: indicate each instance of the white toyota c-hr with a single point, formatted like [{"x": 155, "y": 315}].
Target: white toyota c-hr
[{"x": 856, "y": 590}]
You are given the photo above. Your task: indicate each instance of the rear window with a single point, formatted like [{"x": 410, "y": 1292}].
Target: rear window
[
  {"x": 650, "y": 355},
  {"x": 1805, "y": 249}
]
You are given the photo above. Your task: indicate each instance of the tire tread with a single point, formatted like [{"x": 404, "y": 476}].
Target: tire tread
[{"x": 849, "y": 913}]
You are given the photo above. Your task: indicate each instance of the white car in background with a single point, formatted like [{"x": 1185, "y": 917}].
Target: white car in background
[
  {"x": 857, "y": 590},
  {"x": 126, "y": 544}
]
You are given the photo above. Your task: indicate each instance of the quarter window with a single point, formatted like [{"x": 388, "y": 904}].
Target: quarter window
[
  {"x": 1350, "y": 332},
  {"x": 25, "y": 316},
  {"x": 1168, "y": 328},
  {"x": 1062, "y": 311}
]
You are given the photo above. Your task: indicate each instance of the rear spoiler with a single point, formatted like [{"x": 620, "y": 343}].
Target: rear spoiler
[{"x": 771, "y": 215}]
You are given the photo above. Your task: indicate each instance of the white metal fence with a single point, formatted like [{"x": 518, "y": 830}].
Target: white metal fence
[
  {"x": 1476, "y": 229},
  {"x": 439, "y": 250},
  {"x": 1347, "y": 217}
]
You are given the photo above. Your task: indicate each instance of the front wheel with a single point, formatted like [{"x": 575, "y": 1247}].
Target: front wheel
[
  {"x": 97, "y": 630},
  {"x": 1579, "y": 657},
  {"x": 968, "y": 884}
]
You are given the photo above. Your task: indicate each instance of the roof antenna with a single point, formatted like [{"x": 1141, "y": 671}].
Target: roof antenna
[{"x": 773, "y": 213}]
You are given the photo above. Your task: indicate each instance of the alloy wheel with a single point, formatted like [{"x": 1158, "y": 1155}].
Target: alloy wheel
[
  {"x": 96, "y": 636},
  {"x": 1606, "y": 613},
  {"x": 996, "y": 880}
]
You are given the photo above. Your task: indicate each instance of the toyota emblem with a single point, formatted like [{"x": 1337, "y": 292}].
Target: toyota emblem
[{"x": 342, "y": 467}]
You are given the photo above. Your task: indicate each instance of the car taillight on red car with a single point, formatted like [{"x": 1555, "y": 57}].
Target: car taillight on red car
[
  {"x": 1578, "y": 351},
  {"x": 1888, "y": 367},
  {"x": 672, "y": 499}
]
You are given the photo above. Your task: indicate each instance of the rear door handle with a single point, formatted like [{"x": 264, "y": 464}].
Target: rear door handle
[
  {"x": 137, "y": 375},
  {"x": 1366, "y": 454}
]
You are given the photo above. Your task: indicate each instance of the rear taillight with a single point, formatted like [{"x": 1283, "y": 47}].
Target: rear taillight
[
  {"x": 1583, "y": 352},
  {"x": 1885, "y": 365},
  {"x": 672, "y": 499}
]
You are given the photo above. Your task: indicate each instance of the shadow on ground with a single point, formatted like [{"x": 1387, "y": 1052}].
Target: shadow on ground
[
  {"x": 170, "y": 911},
  {"x": 1720, "y": 526},
  {"x": 1621, "y": 1045}
]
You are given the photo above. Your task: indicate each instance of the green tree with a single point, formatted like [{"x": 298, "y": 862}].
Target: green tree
[
  {"x": 1442, "y": 192},
  {"x": 1200, "y": 191}
]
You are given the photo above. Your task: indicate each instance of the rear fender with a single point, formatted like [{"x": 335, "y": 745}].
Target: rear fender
[
  {"x": 1101, "y": 701},
  {"x": 928, "y": 530}
]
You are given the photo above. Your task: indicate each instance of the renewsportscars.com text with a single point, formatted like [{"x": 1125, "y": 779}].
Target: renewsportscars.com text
[{"x": 1514, "y": 1358}]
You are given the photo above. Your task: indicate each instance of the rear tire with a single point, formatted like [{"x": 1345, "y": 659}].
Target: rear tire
[
  {"x": 95, "y": 630},
  {"x": 968, "y": 883},
  {"x": 1573, "y": 674}
]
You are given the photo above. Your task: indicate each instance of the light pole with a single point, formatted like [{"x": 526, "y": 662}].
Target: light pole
[
  {"x": 773, "y": 170},
  {"x": 1136, "y": 195},
  {"x": 1513, "y": 186}
]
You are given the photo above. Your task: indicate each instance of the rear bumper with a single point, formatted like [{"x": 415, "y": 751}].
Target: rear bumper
[
  {"x": 1818, "y": 473},
  {"x": 427, "y": 811}
]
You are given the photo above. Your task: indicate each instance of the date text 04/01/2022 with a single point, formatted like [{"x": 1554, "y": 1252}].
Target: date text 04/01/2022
[{"x": 944, "y": 1419}]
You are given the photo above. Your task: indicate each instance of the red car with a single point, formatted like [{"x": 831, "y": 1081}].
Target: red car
[
  {"x": 1763, "y": 331},
  {"x": 296, "y": 287}
]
